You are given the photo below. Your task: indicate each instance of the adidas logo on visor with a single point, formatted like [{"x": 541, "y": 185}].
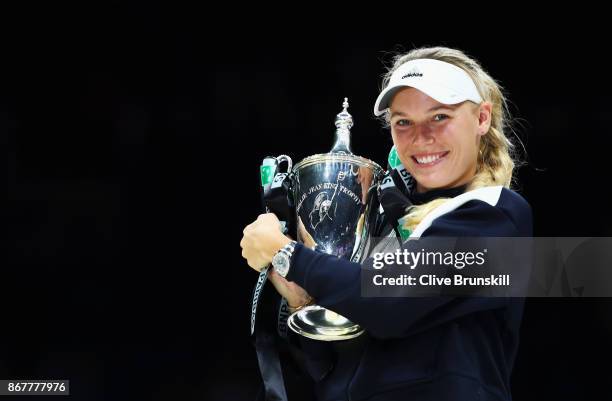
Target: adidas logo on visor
[{"x": 413, "y": 73}]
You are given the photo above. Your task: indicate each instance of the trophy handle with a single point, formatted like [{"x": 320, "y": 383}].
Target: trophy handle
[{"x": 282, "y": 158}]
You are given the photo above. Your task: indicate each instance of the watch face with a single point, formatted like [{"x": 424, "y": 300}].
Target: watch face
[{"x": 281, "y": 263}]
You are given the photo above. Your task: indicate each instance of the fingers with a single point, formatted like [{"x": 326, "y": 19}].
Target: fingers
[
  {"x": 247, "y": 253},
  {"x": 267, "y": 217},
  {"x": 305, "y": 235},
  {"x": 259, "y": 239}
]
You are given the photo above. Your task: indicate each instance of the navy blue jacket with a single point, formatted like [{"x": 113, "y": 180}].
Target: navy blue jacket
[{"x": 428, "y": 348}]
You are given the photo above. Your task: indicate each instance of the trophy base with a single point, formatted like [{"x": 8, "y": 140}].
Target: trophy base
[{"x": 321, "y": 324}]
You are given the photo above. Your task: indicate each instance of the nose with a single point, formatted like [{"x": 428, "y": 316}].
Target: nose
[{"x": 422, "y": 135}]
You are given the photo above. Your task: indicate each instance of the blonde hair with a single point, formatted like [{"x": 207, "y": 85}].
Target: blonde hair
[{"x": 497, "y": 156}]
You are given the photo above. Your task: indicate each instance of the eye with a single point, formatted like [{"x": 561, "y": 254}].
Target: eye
[
  {"x": 440, "y": 117},
  {"x": 402, "y": 123}
]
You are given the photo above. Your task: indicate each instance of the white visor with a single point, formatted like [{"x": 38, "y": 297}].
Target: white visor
[{"x": 444, "y": 82}]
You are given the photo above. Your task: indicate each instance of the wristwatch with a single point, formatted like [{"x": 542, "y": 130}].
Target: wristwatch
[{"x": 282, "y": 260}]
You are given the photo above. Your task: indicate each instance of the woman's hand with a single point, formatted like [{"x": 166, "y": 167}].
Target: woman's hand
[
  {"x": 261, "y": 240},
  {"x": 294, "y": 294},
  {"x": 305, "y": 235}
]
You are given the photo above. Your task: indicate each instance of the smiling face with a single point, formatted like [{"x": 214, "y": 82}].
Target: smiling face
[{"x": 438, "y": 144}]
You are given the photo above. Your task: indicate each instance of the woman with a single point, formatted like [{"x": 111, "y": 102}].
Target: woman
[{"x": 448, "y": 120}]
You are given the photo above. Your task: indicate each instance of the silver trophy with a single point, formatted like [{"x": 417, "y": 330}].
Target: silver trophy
[{"x": 331, "y": 192}]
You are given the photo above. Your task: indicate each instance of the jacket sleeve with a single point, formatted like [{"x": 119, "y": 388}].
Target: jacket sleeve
[{"x": 335, "y": 283}]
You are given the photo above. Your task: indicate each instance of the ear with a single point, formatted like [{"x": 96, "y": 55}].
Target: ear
[{"x": 484, "y": 117}]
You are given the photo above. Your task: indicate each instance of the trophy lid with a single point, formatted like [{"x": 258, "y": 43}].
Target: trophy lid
[
  {"x": 341, "y": 151},
  {"x": 344, "y": 123}
]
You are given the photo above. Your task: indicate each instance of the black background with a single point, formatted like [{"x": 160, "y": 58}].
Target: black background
[{"x": 131, "y": 141}]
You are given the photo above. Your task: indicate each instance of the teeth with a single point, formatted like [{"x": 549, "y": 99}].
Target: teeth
[{"x": 428, "y": 159}]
